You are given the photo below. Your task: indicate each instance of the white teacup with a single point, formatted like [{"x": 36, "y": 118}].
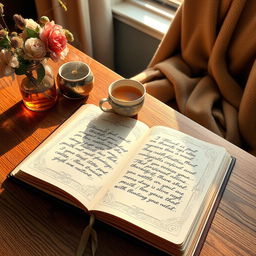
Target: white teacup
[{"x": 125, "y": 96}]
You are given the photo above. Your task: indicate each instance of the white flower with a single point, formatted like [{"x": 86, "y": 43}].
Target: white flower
[
  {"x": 8, "y": 62},
  {"x": 34, "y": 49},
  {"x": 64, "y": 53},
  {"x": 61, "y": 56},
  {"x": 31, "y": 24}
]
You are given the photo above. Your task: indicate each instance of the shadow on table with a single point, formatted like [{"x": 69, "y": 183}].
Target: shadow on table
[
  {"x": 39, "y": 224},
  {"x": 17, "y": 123},
  {"x": 33, "y": 224}
]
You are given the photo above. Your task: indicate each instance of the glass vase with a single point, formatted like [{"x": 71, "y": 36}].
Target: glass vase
[{"x": 37, "y": 87}]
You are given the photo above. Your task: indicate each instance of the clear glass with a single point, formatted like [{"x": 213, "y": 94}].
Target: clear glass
[{"x": 38, "y": 94}]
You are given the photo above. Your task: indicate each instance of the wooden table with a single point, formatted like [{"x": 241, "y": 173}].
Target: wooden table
[{"x": 33, "y": 224}]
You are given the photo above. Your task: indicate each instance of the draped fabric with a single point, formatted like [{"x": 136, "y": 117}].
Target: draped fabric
[
  {"x": 90, "y": 22},
  {"x": 206, "y": 63}
]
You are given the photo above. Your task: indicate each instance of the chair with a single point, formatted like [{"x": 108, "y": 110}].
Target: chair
[{"x": 206, "y": 64}]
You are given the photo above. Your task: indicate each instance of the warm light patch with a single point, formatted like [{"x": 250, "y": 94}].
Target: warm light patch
[{"x": 153, "y": 23}]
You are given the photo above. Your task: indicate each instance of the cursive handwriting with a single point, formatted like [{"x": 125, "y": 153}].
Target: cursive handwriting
[
  {"x": 93, "y": 152},
  {"x": 161, "y": 172}
]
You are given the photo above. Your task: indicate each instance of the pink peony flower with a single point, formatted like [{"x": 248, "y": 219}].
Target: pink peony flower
[
  {"x": 34, "y": 49},
  {"x": 55, "y": 40}
]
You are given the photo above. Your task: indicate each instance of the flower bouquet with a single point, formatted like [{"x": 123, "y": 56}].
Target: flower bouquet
[{"x": 25, "y": 54}]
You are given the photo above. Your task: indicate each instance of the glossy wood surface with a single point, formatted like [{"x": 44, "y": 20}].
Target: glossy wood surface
[{"x": 33, "y": 224}]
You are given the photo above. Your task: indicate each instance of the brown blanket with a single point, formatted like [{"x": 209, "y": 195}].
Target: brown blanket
[{"x": 206, "y": 62}]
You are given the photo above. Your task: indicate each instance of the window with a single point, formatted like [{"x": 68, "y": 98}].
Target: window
[
  {"x": 150, "y": 16},
  {"x": 171, "y": 2},
  {"x": 162, "y": 7}
]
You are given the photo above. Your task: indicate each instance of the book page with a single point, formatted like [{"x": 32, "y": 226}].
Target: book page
[
  {"x": 83, "y": 155},
  {"x": 165, "y": 185}
]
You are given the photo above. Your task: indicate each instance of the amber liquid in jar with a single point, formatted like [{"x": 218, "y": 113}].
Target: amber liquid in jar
[
  {"x": 39, "y": 101},
  {"x": 38, "y": 92}
]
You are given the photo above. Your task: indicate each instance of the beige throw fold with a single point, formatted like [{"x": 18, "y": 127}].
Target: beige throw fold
[{"x": 206, "y": 62}]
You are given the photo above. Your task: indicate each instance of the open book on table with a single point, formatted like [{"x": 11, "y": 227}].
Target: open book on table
[{"x": 157, "y": 184}]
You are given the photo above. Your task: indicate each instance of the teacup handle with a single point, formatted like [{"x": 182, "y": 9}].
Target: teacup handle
[{"x": 102, "y": 101}]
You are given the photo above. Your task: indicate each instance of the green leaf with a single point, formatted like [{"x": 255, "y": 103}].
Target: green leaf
[
  {"x": 32, "y": 33},
  {"x": 22, "y": 69},
  {"x": 40, "y": 73},
  {"x": 23, "y": 66},
  {"x": 5, "y": 43}
]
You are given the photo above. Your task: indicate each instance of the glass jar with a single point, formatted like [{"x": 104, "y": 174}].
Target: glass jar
[{"x": 38, "y": 87}]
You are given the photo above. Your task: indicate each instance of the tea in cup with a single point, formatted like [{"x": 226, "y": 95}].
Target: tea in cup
[
  {"x": 125, "y": 96},
  {"x": 75, "y": 79}
]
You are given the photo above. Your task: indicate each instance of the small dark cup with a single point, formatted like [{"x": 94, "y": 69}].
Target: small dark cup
[{"x": 75, "y": 80}]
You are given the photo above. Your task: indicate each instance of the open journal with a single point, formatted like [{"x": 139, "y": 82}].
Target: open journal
[{"x": 157, "y": 184}]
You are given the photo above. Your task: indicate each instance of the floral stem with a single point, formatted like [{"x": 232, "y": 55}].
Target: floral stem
[
  {"x": 2, "y": 17},
  {"x": 31, "y": 78},
  {"x": 63, "y": 5},
  {"x": 59, "y": 4},
  {"x": 33, "y": 81}
]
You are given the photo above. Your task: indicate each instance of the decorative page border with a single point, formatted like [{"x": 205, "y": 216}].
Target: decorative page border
[{"x": 173, "y": 225}]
